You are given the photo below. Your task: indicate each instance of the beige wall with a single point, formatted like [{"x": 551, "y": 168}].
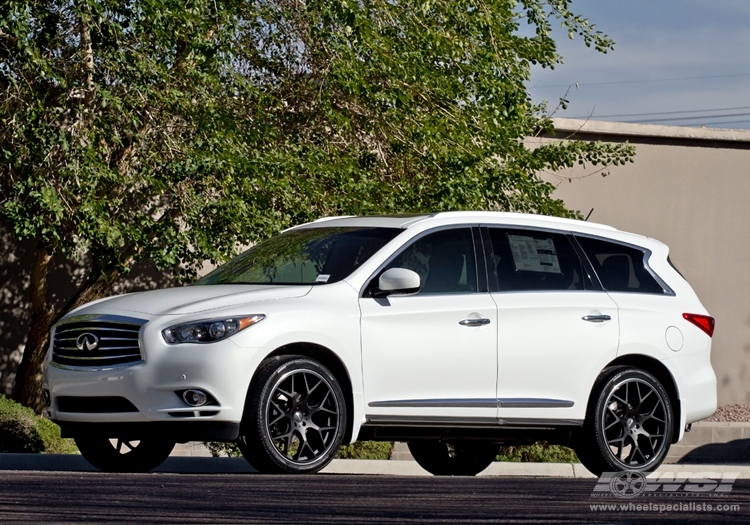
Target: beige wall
[{"x": 694, "y": 199}]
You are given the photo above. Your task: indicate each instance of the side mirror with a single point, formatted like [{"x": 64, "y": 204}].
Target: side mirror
[{"x": 398, "y": 280}]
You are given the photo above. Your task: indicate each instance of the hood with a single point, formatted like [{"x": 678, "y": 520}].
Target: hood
[{"x": 192, "y": 299}]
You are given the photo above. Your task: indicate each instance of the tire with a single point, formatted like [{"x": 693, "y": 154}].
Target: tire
[
  {"x": 629, "y": 423},
  {"x": 122, "y": 455},
  {"x": 459, "y": 458},
  {"x": 295, "y": 417}
]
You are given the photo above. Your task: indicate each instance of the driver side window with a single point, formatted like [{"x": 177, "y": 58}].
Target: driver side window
[{"x": 444, "y": 261}]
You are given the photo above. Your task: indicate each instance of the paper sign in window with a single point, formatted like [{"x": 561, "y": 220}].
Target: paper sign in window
[{"x": 534, "y": 255}]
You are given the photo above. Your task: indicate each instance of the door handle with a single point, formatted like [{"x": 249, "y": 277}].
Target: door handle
[
  {"x": 596, "y": 318},
  {"x": 474, "y": 322}
]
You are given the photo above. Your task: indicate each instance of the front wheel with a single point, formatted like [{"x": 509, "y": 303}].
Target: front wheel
[
  {"x": 459, "y": 458},
  {"x": 629, "y": 424},
  {"x": 123, "y": 455},
  {"x": 295, "y": 418}
]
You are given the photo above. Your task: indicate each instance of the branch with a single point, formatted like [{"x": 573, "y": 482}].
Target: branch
[
  {"x": 88, "y": 58},
  {"x": 9, "y": 38}
]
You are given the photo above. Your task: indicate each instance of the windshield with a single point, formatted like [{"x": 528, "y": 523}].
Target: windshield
[{"x": 305, "y": 256}]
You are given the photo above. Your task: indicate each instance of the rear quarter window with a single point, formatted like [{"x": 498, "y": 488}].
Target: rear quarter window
[{"x": 620, "y": 268}]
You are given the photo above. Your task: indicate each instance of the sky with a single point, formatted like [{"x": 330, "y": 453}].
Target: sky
[{"x": 675, "y": 62}]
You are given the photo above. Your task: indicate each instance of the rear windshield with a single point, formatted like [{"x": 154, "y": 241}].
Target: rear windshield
[{"x": 304, "y": 256}]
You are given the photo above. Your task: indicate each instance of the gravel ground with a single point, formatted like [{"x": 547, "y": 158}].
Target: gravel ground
[{"x": 733, "y": 413}]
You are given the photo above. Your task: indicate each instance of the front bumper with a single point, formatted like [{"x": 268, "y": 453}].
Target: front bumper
[{"x": 153, "y": 385}]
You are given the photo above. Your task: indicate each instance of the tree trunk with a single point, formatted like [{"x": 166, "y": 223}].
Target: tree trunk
[{"x": 28, "y": 389}]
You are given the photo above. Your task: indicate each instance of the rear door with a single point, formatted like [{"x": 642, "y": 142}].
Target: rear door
[{"x": 556, "y": 327}]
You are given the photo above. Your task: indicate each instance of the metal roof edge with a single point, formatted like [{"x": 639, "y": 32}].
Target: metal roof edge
[{"x": 626, "y": 129}]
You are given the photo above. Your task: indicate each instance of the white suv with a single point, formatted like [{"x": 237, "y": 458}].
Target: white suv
[{"x": 454, "y": 332}]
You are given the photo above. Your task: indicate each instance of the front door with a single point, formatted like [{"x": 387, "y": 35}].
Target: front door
[{"x": 432, "y": 356}]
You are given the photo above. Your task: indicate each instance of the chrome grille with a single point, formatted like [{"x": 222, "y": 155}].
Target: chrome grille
[{"x": 97, "y": 341}]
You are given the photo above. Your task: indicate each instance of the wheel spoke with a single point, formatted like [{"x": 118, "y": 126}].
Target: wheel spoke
[
  {"x": 302, "y": 445},
  {"x": 289, "y": 395},
  {"x": 281, "y": 437},
  {"x": 289, "y": 438},
  {"x": 619, "y": 443},
  {"x": 651, "y": 412},
  {"x": 621, "y": 400},
  {"x": 646, "y": 396},
  {"x": 282, "y": 414},
  {"x": 307, "y": 386},
  {"x": 325, "y": 398},
  {"x": 638, "y": 393},
  {"x": 613, "y": 423}
]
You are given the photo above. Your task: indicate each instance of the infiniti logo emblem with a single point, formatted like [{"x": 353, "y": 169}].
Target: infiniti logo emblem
[{"x": 87, "y": 342}]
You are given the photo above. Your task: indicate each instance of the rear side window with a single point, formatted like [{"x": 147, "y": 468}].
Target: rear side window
[
  {"x": 528, "y": 260},
  {"x": 620, "y": 268}
]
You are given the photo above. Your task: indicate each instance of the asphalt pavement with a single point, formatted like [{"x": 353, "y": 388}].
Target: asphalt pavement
[
  {"x": 65, "y": 489},
  {"x": 96, "y": 497}
]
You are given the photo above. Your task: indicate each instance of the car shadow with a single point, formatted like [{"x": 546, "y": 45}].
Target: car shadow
[{"x": 737, "y": 451}]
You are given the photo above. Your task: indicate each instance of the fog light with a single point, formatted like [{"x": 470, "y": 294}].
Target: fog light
[
  {"x": 195, "y": 398},
  {"x": 47, "y": 399}
]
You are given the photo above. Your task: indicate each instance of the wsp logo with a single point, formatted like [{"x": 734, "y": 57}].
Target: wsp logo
[{"x": 630, "y": 484}]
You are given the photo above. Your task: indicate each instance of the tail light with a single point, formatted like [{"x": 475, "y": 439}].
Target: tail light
[{"x": 704, "y": 322}]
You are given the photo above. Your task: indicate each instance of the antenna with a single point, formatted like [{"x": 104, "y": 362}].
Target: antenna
[{"x": 589, "y": 215}]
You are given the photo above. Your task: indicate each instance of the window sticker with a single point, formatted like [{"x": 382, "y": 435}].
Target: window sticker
[
  {"x": 534, "y": 255},
  {"x": 322, "y": 278}
]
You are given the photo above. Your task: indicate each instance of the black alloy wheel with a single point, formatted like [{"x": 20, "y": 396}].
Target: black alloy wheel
[
  {"x": 629, "y": 425},
  {"x": 295, "y": 417}
]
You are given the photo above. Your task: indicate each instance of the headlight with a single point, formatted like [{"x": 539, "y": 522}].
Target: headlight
[{"x": 210, "y": 330}]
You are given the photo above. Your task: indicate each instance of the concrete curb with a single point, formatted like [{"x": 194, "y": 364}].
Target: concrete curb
[{"x": 208, "y": 465}]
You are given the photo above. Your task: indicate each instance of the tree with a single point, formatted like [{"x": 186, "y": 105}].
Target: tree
[{"x": 177, "y": 131}]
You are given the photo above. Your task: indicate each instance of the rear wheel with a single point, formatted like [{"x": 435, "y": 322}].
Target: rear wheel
[
  {"x": 458, "y": 458},
  {"x": 295, "y": 417},
  {"x": 629, "y": 424},
  {"x": 123, "y": 455}
]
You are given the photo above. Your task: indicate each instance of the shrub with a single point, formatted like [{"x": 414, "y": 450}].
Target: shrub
[
  {"x": 21, "y": 430},
  {"x": 220, "y": 448},
  {"x": 540, "y": 452},
  {"x": 366, "y": 450}
]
